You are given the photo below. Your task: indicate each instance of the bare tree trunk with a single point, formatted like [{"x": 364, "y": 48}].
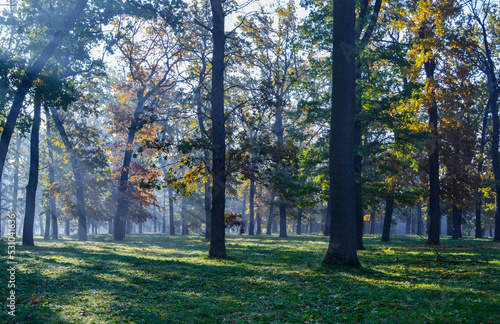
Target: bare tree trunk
[
  {"x": 282, "y": 207},
  {"x": 52, "y": 198},
  {"x": 29, "y": 217},
  {"x": 389, "y": 208},
  {"x": 171, "y": 210},
  {"x": 75, "y": 166},
  {"x": 299, "y": 222},
  {"x": 15, "y": 192},
  {"x": 342, "y": 248},
  {"x": 270, "y": 217},
  {"x": 184, "y": 221},
  {"x": 217, "y": 239},
  {"x": 419, "y": 219},
  {"x": 251, "y": 200}
]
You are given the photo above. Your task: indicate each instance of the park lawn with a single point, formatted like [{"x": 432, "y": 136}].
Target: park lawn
[{"x": 154, "y": 278}]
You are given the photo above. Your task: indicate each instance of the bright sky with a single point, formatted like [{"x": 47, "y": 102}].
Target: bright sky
[{"x": 253, "y": 5}]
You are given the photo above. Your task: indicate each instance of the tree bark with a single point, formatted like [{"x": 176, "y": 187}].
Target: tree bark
[
  {"x": 270, "y": 217},
  {"x": 31, "y": 76},
  {"x": 434, "y": 190},
  {"x": 67, "y": 227},
  {"x": 419, "y": 219},
  {"x": 15, "y": 197},
  {"x": 389, "y": 208},
  {"x": 184, "y": 221},
  {"x": 282, "y": 208},
  {"x": 171, "y": 210},
  {"x": 75, "y": 166},
  {"x": 52, "y": 199},
  {"x": 372, "y": 223},
  {"x": 29, "y": 217},
  {"x": 251, "y": 202},
  {"x": 299, "y": 222},
  {"x": 342, "y": 248},
  {"x": 217, "y": 239}
]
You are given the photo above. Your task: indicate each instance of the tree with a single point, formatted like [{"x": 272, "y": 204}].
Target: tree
[
  {"x": 31, "y": 75},
  {"x": 152, "y": 61},
  {"x": 342, "y": 248}
]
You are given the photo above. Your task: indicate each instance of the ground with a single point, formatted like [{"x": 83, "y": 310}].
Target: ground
[{"x": 154, "y": 278}]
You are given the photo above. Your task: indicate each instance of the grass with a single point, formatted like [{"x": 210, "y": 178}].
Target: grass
[{"x": 163, "y": 279}]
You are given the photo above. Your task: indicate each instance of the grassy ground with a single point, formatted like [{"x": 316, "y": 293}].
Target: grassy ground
[{"x": 163, "y": 279}]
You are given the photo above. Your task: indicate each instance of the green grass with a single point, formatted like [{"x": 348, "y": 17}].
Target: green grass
[{"x": 163, "y": 279}]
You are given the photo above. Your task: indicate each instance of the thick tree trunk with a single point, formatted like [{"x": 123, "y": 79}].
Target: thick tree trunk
[
  {"x": 29, "y": 217},
  {"x": 110, "y": 227},
  {"x": 217, "y": 239},
  {"x": 31, "y": 76},
  {"x": 67, "y": 228},
  {"x": 342, "y": 248},
  {"x": 75, "y": 166},
  {"x": 140, "y": 228},
  {"x": 171, "y": 210},
  {"x": 386, "y": 232}
]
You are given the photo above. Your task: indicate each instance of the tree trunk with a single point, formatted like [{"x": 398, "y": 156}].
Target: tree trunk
[
  {"x": 75, "y": 166},
  {"x": 251, "y": 201},
  {"x": 419, "y": 219},
  {"x": 47, "y": 225},
  {"x": 409, "y": 220},
  {"x": 67, "y": 227},
  {"x": 31, "y": 76},
  {"x": 372, "y": 222},
  {"x": 270, "y": 218},
  {"x": 52, "y": 198},
  {"x": 342, "y": 248},
  {"x": 29, "y": 217},
  {"x": 164, "y": 213},
  {"x": 386, "y": 232},
  {"x": 217, "y": 239},
  {"x": 479, "y": 201},
  {"x": 184, "y": 221},
  {"x": 358, "y": 186},
  {"x": 299, "y": 222},
  {"x": 457, "y": 223},
  {"x": 208, "y": 203},
  {"x": 171, "y": 210},
  {"x": 15, "y": 197},
  {"x": 282, "y": 208},
  {"x": 140, "y": 227},
  {"x": 434, "y": 209},
  {"x": 495, "y": 159},
  {"x": 110, "y": 227}
]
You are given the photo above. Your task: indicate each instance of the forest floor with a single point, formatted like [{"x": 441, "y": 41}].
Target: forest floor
[{"x": 154, "y": 278}]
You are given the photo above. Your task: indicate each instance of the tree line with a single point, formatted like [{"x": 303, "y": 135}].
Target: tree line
[{"x": 341, "y": 108}]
